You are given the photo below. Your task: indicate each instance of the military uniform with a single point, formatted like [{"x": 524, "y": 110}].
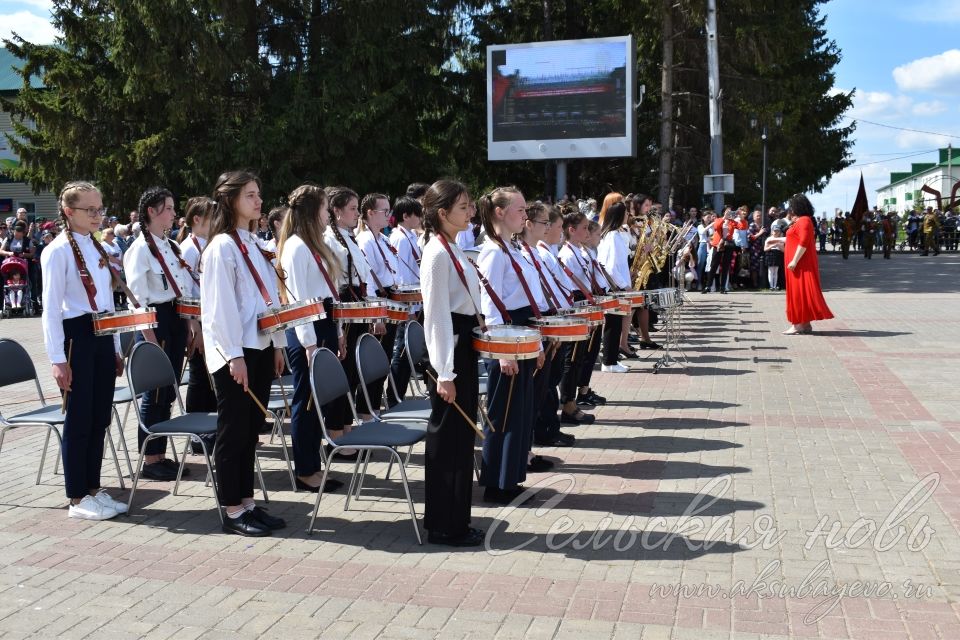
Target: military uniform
[
  {"x": 869, "y": 231},
  {"x": 889, "y": 229},
  {"x": 931, "y": 224}
]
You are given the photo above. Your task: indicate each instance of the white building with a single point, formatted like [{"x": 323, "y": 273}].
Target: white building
[
  {"x": 904, "y": 191},
  {"x": 14, "y": 195}
]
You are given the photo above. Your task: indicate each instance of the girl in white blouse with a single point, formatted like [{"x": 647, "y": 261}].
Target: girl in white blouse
[
  {"x": 84, "y": 365},
  {"x": 451, "y": 297},
  {"x": 200, "y": 395},
  {"x": 514, "y": 280},
  {"x": 613, "y": 256},
  {"x": 237, "y": 284},
  {"x": 408, "y": 214},
  {"x": 311, "y": 270}
]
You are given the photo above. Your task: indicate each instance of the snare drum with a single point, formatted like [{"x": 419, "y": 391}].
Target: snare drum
[
  {"x": 409, "y": 293},
  {"x": 662, "y": 298},
  {"x": 583, "y": 310},
  {"x": 622, "y": 306},
  {"x": 290, "y": 315},
  {"x": 397, "y": 312},
  {"x": 188, "y": 308},
  {"x": 107, "y": 324},
  {"x": 366, "y": 312},
  {"x": 607, "y": 304},
  {"x": 507, "y": 342},
  {"x": 634, "y": 298},
  {"x": 562, "y": 329}
]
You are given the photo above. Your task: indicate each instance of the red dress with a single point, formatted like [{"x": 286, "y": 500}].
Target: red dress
[{"x": 805, "y": 301}]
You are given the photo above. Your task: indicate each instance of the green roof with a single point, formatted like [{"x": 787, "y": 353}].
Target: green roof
[
  {"x": 916, "y": 168},
  {"x": 10, "y": 80}
]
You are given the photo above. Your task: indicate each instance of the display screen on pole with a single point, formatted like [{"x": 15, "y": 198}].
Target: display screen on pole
[{"x": 561, "y": 99}]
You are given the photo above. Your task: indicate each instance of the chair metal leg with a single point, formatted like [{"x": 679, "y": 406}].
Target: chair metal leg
[
  {"x": 353, "y": 478},
  {"x": 116, "y": 461},
  {"x": 210, "y": 475},
  {"x": 173, "y": 452},
  {"x": 406, "y": 490},
  {"x": 263, "y": 487},
  {"x": 476, "y": 466},
  {"x": 323, "y": 483},
  {"x": 122, "y": 440},
  {"x": 136, "y": 477},
  {"x": 389, "y": 468},
  {"x": 278, "y": 428},
  {"x": 363, "y": 474},
  {"x": 43, "y": 456},
  {"x": 183, "y": 461}
]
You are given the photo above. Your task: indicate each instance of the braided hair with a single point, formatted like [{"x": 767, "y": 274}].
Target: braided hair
[
  {"x": 338, "y": 198},
  {"x": 68, "y": 197}
]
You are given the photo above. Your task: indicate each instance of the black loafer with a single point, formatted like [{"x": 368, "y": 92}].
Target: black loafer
[
  {"x": 332, "y": 485},
  {"x": 502, "y": 496},
  {"x": 246, "y": 525},
  {"x": 470, "y": 538},
  {"x": 585, "y": 401},
  {"x": 597, "y": 399},
  {"x": 272, "y": 523},
  {"x": 649, "y": 344},
  {"x": 568, "y": 439},
  {"x": 173, "y": 466},
  {"x": 539, "y": 464},
  {"x": 582, "y": 418},
  {"x": 158, "y": 471}
]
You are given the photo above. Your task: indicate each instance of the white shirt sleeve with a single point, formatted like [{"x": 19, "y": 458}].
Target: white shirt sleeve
[
  {"x": 219, "y": 306},
  {"x": 53, "y": 269},
  {"x": 437, "y": 323},
  {"x": 299, "y": 265},
  {"x": 612, "y": 254},
  {"x": 491, "y": 264}
]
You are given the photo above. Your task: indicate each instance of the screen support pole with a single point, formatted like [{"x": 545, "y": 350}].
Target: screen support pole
[{"x": 561, "y": 183}]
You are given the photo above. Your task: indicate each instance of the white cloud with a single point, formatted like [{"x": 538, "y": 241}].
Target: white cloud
[
  {"x": 917, "y": 140},
  {"x": 929, "y": 108},
  {"x": 935, "y": 74},
  {"x": 936, "y": 11},
  {"x": 879, "y": 104},
  {"x": 29, "y": 26},
  {"x": 45, "y": 5}
]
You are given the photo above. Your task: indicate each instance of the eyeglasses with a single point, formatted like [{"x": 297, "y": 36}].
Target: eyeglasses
[
  {"x": 545, "y": 223},
  {"x": 92, "y": 212},
  {"x": 381, "y": 210}
]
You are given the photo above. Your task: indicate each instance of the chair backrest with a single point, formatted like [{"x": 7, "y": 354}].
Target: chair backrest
[
  {"x": 17, "y": 365},
  {"x": 372, "y": 362},
  {"x": 416, "y": 342},
  {"x": 127, "y": 340},
  {"x": 149, "y": 368},
  {"x": 328, "y": 381}
]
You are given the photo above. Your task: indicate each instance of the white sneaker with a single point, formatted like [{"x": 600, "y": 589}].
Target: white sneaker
[
  {"x": 90, "y": 509},
  {"x": 106, "y": 500},
  {"x": 614, "y": 368}
]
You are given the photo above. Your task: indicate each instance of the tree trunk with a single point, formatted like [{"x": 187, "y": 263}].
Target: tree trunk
[{"x": 666, "y": 113}]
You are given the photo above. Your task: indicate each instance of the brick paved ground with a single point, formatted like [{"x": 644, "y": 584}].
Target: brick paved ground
[{"x": 764, "y": 433}]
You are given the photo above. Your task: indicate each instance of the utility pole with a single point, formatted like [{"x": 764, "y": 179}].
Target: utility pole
[
  {"x": 713, "y": 73},
  {"x": 666, "y": 113}
]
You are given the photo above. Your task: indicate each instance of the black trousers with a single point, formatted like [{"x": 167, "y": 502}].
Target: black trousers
[
  {"x": 590, "y": 355},
  {"x": 612, "y": 326},
  {"x": 545, "y": 382},
  {"x": 200, "y": 396},
  {"x": 171, "y": 332},
  {"x": 450, "y": 440},
  {"x": 375, "y": 387},
  {"x": 238, "y": 425},
  {"x": 93, "y": 365},
  {"x": 721, "y": 263}
]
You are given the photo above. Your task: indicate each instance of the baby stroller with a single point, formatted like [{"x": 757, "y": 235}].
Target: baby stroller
[{"x": 16, "y": 298}]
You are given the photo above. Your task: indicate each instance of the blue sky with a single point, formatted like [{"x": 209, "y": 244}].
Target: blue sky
[{"x": 903, "y": 59}]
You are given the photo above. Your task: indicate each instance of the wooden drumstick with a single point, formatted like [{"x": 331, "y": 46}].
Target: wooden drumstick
[
  {"x": 506, "y": 410},
  {"x": 471, "y": 422},
  {"x": 63, "y": 403}
]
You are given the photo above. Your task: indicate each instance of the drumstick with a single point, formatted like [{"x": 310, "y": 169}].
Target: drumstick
[
  {"x": 506, "y": 410},
  {"x": 266, "y": 414},
  {"x": 472, "y": 423},
  {"x": 283, "y": 392},
  {"x": 63, "y": 403}
]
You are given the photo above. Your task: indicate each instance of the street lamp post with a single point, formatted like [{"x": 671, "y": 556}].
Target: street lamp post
[{"x": 764, "y": 134}]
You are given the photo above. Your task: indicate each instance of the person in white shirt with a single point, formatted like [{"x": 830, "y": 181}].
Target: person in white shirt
[
  {"x": 612, "y": 254},
  {"x": 85, "y": 365},
  {"x": 112, "y": 247},
  {"x": 518, "y": 299},
  {"x": 311, "y": 270},
  {"x": 384, "y": 270},
  {"x": 157, "y": 276},
  {"x": 704, "y": 231},
  {"x": 200, "y": 396},
  {"x": 408, "y": 213},
  {"x": 355, "y": 285},
  {"x": 238, "y": 283},
  {"x": 451, "y": 296}
]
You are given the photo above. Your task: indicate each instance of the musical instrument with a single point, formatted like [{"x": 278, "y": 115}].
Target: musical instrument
[
  {"x": 592, "y": 314},
  {"x": 607, "y": 304},
  {"x": 290, "y": 315},
  {"x": 368, "y": 311},
  {"x": 562, "y": 329},
  {"x": 107, "y": 324},
  {"x": 662, "y": 298},
  {"x": 409, "y": 293},
  {"x": 397, "y": 312},
  {"x": 188, "y": 308},
  {"x": 633, "y": 298},
  {"x": 507, "y": 342}
]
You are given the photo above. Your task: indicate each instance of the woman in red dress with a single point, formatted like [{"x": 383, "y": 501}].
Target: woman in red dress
[{"x": 805, "y": 301}]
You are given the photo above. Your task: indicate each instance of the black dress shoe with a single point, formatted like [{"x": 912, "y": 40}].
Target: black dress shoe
[
  {"x": 332, "y": 485},
  {"x": 246, "y": 525},
  {"x": 568, "y": 439},
  {"x": 272, "y": 523},
  {"x": 539, "y": 464},
  {"x": 577, "y": 418},
  {"x": 584, "y": 400},
  {"x": 502, "y": 496},
  {"x": 158, "y": 471},
  {"x": 649, "y": 344},
  {"x": 629, "y": 353},
  {"x": 597, "y": 399},
  {"x": 173, "y": 466},
  {"x": 470, "y": 538}
]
